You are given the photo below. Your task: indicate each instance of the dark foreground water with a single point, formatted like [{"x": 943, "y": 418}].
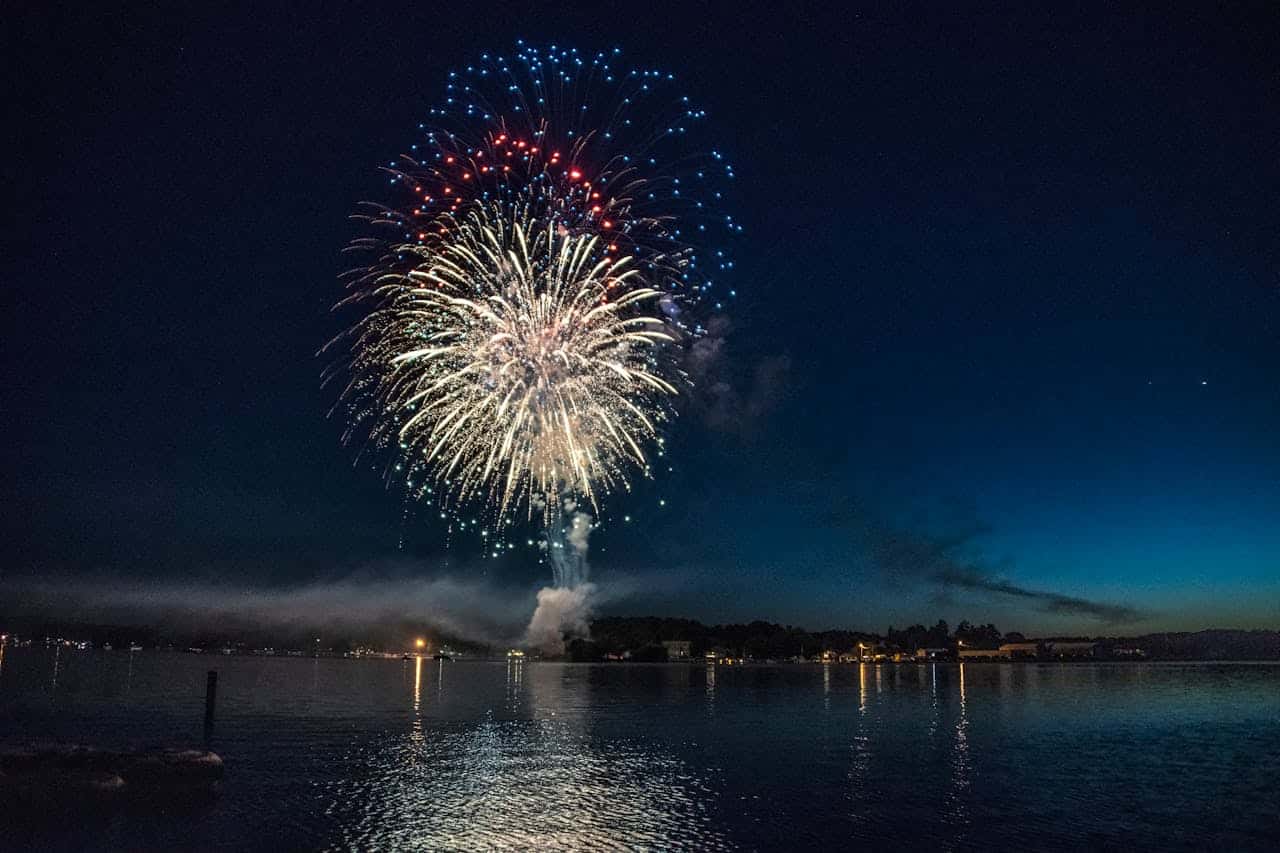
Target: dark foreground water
[{"x": 378, "y": 755}]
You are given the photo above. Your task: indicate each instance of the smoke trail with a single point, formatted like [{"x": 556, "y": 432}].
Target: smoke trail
[
  {"x": 564, "y": 609},
  {"x": 566, "y": 547}
]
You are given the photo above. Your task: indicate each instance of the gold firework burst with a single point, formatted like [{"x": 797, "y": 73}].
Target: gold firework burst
[{"x": 514, "y": 362}]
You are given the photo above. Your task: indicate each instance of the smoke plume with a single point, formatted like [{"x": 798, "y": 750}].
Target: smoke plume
[
  {"x": 561, "y": 612},
  {"x": 365, "y": 604},
  {"x": 733, "y": 394}
]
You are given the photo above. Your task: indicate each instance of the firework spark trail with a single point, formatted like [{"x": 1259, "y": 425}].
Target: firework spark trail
[{"x": 519, "y": 336}]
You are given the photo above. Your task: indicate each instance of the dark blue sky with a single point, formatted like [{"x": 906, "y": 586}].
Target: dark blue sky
[{"x": 1007, "y": 346}]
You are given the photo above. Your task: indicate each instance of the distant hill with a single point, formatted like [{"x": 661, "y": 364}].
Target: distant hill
[{"x": 1212, "y": 644}]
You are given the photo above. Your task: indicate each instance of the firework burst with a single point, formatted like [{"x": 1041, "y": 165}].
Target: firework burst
[{"x": 519, "y": 334}]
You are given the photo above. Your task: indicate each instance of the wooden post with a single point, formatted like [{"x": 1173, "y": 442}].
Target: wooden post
[{"x": 210, "y": 699}]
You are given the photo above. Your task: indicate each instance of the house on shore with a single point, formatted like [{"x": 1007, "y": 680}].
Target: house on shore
[
  {"x": 677, "y": 650},
  {"x": 1021, "y": 651},
  {"x": 983, "y": 654},
  {"x": 1071, "y": 649}
]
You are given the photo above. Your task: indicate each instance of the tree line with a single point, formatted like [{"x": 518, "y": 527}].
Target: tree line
[{"x": 641, "y": 638}]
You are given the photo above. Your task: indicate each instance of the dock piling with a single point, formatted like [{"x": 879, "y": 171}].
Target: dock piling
[{"x": 210, "y": 700}]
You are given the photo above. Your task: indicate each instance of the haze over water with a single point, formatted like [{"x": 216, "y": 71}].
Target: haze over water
[{"x": 375, "y": 754}]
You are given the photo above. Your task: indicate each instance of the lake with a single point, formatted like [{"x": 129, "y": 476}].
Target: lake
[{"x": 333, "y": 754}]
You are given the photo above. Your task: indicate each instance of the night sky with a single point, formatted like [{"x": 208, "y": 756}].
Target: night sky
[{"x": 1007, "y": 344}]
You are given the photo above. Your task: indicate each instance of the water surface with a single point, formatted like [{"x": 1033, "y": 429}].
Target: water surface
[{"x": 331, "y": 754}]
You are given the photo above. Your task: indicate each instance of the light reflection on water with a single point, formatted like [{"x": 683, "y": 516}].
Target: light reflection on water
[
  {"x": 517, "y": 782},
  {"x": 425, "y": 754},
  {"x": 957, "y": 801}
]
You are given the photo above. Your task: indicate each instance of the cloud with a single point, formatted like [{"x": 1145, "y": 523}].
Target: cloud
[
  {"x": 939, "y": 559},
  {"x": 1049, "y": 602}
]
